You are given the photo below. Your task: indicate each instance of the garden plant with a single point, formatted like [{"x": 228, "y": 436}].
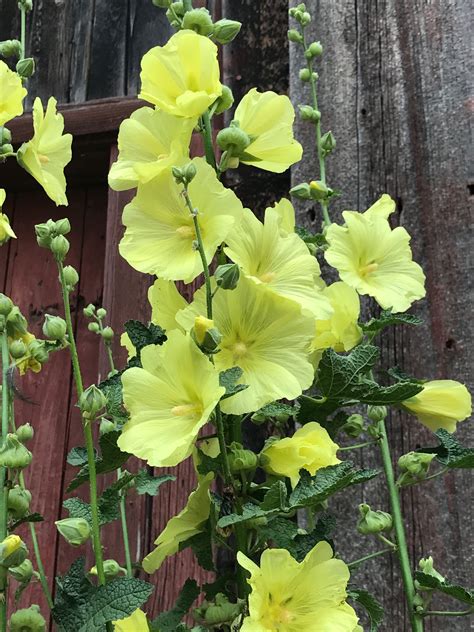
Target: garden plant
[{"x": 268, "y": 339}]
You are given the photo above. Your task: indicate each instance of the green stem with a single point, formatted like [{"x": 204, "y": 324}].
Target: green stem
[
  {"x": 402, "y": 550},
  {"x": 207, "y": 137},
  {"x": 23, "y": 32},
  {"x": 99, "y": 561},
  {"x": 3, "y": 474},
  {"x": 321, "y": 157},
  {"x": 448, "y": 613},
  {"x": 358, "y": 445},
  {"x": 356, "y": 563}
]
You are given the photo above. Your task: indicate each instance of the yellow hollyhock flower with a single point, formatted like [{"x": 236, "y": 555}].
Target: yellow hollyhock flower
[
  {"x": 12, "y": 94},
  {"x": 374, "y": 259},
  {"x": 136, "y": 622},
  {"x": 310, "y": 448},
  {"x": 149, "y": 142},
  {"x": 282, "y": 264},
  {"x": 182, "y": 77},
  {"x": 160, "y": 236},
  {"x": 48, "y": 152},
  {"x": 341, "y": 332},
  {"x": 266, "y": 335},
  {"x": 268, "y": 118},
  {"x": 169, "y": 400},
  {"x": 6, "y": 231},
  {"x": 441, "y": 404},
  {"x": 291, "y": 596},
  {"x": 187, "y": 523},
  {"x": 166, "y": 302}
]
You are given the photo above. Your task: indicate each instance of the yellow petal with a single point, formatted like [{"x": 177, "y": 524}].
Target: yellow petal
[
  {"x": 12, "y": 94},
  {"x": 441, "y": 404},
  {"x": 136, "y": 622},
  {"x": 165, "y": 301}
]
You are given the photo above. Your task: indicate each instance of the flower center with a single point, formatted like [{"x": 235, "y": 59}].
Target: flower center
[
  {"x": 267, "y": 277},
  {"x": 186, "y": 410},
  {"x": 368, "y": 269},
  {"x": 279, "y": 613},
  {"x": 186, "y": 232},
  {"x": 43, "y": 159},
  {"x": 239, "y": 350}
]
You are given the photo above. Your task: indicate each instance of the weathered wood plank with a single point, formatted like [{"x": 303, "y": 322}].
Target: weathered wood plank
[{"x": 393, "y": 89}]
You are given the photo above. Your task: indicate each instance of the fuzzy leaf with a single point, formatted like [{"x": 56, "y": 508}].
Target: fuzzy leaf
[
  {"x": 338, "y": 373},
  {"x": 276, "y": 497},
  {"x": 229, "y": 378},
  {"x": 450, "y": 452},
  {"x": 77, "y": 456},
  {"x": 280, "y": 531},
  {"x": 113, "y": 390},
  {"x": 277, "y": 408},
  {"x": 142, "y": 335},
  {"x": 169, "y": 621},
  {"x": 146, "y": 483},
  {"x": 303, "y": 543},
  {"x": 386, "y": 318},
  {"x": 369, "y": 392},
  {"x": 466, "y": 595},
  {"x": 373, "y": 608},
  {"x": 202, "y": 549},
  {"x": 249, "y": 512},
  {"x": 312, "y": 409}
]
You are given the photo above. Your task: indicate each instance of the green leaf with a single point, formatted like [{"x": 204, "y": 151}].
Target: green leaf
[
  {"x": 207, "y": 463},
  {"x": 312, "y": 490},
  {"x": 466, "y": 595},
  {"x": 142, "y": 335},
  {"x": 77, "y": 456},
  {"x": 277, "y": 408},
  {"x": 32, "y": 517},
  {"x": 304, "y": 543},
  {"x": 84, "y": 607},
  {"x": 338, "y": 373},
  {"x": 276, "y": 497},
  {"x": 312, "y": 409},
  {"x": 450, "y": 452},
  {"x": 249, "y": 512},
  {"x": 146, "y": 483},
  {"x": 372, "y": 607},
  {"x": 170, "y": 620},
  {"x": 386, "y": 318},
  {"x": 280, "y": 531},
  {"x": 318, "y": 239},
  {"x": 202, "y": 549},
  {"x": 369, "y": 392},
  {"x": 229, "y": 378},
  {"x": 110, "y": 459},
  {"x": 113, "y": 390}
]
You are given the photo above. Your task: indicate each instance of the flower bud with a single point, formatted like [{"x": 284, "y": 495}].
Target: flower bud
[
  {"x": 198, "y": 20},
  {"x": 305, "y": 74},
  {"x": 26, "y": 67},
  {"x": 111, "y": 569},
  {"x": 220, "y": 612},
  {"x": 27, "y": 620},
  {"x": 14, "y": 454},
  {"x": 176, "y": 8},
  {"x": 205, "y": 335},
  {"x": 19, "y": 500},
  {"x": 23, "y": 572},
  {"x": 304, "y": 18},
  {"x": 315, "y": 49},
  {"x": 318, "y": 190},
  {"x": 328, "y": 143},
  {"x": 6, "y": 305},
  {"x": 308, "y": 113},
  {"x": 376, "y": 413},
  {"x": 234, "y": 139},
  {"x": 227, "y": 276},
  {"x": 10, "y": 48},
  {"x": 101, "y": 313},
  {"x": 16, "y": 323},
  {"x": 27, "y": 5},
  {"x": 426, "y": 566},
  {"x": 415, "y": 467},
  {"x": 25, "y": 433},
  {"x": 17, "y": 349},
  {"x": 89, "y": 311},
  {"x": 225, "y": 101},
  {"x": 38, "y": 351},
  {"x": 107, "y": 334},
  {"x": 13, "y": 551},
  {"x": 5, "y": 137},
  {"x": 162, "y": 4},
  {"x": 94, "y": 327},
  {"x": 225, "y": 31},
  {"x": 54, "y": 327},
  {"x": 44, "y": 233},
  {"x": 373, "y": 521},
  {"x": 241, "y": 460},
  {"x": 184, "y": 175},
  {"x": 62, "y": 226},
  {"x": 6, "y": 148},
  {"x": 354, "y": 425},
  {"x": 71, "y": 277},
  {"x": 59, "y": 247},
  {"x": 106, "y": 426},
  {"x": 91, "y": 402},
  {"x": 75, "y": 531},
  {"x": 295, "y": 36},
  {"x": 301, "y": 191}
]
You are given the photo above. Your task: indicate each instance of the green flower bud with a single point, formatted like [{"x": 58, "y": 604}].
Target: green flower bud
[
  {"x": 415, "y": 467},
  {"x": 71, "y": 277},
  {"x": 241, "y": 460},
  {"x": 162, "y": 4},
  {"x": 19, "y": 500},
  {"x": 94, "y": 327},
  {"x": 184, "y": 175},
  {"x": 258, "y": 418},
  {"x": 54, "y": 327},
  {"x": 176, "y": 8},
  {"x": 304, "y": 18},
  {"x": 221, "y": 611},
  {"x": 101, "y": 313},
  {"x": 308, "y": 113},
  {"x": 27, "y": 5},
  {"x": 111, "y": 569},
  {"x": 107, "y": 334},
  {"x": 13, "y": 454},
  {"x": 13, "y": 551},
  {"x": 301, "y": 191},
  {"x": 38, "y": 351},
  {"x": 226, "y": 30},
  {"x": 205, "y": 335},
  {"x": 6, "y": 148},
  {"x": 6, "y": 305},
  {"x": 376, "y": 413},
  {"x": 233, "y": 139},
  {"x": 16, "y": 323},
  {"x": 426, "y": 566},
  {"x": 26, "y": 67},
  {"x": 17, "y": 349},
  {"x": 23, "y": 572},
  {"x": 89, "y": 311},
  {"x": 10, "y": 48},
  {"x": 305, "y": 74},
  {"x": 373, "y": 521},
  {"x": 295, "y": 36},
  {"x": 27, "y": 620},
  {"x": 75, "y": 531},
  {"x": 315, "y": 49},
  {"x": 354, "y": 425},
  {"x": 91, "y": 402},
  {"x": 225, "y": 101},
  {"x": 256, "y": 523},
  {"x": 328, "y": 143},
  {"x": 59, "y": 247},
  {"x": 44, "y": 233},
  {"x": 318, "y": 190},
  {"x": 5, "y": 136},
  {"x": 227, "y": 276},
  {"x": 198, "y": 20},
  {"x": 106, "y": 426},
  {"x": 25, "y": 433}
]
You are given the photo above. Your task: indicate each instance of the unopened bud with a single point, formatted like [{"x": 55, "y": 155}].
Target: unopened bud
[
  {"x": 6, "y": 148},
  {"x": 225, "y": 101},
  {"x": 233, "y": 139},
  {"x": 75, "y": 531},
  {"x": 107, "y": 334},
  {"x": 54, "y": 327},
  {"x": 44, "y": 233},
  {"x": 13, "y": 454},
  {"x": 225, "y": 31},
  {"x": 94, "y": 327},
  {"x": 354, "y": 425},
  {"x": 295, "y": 36},
  {"x": 17, "y": 349},
  {"x": 308, "y": 113},
  {"x": 16, "y": 323},
  {"x": 26, "y": 67},
  {"x": 91, "y": 402},
  {"x": 23, "y": 572},
  {"x": 241, "y": 460},
  {"x": 227, "y": 276},
  {"x": 27, "y": 5},
  {"x": 315, "y": 49},
  {"x": 13, "y": 551},
  {"x": 89, "y": 311},
  {"x": 71, "y": 277},
  {"x": 5, "y": 137},
  {"x": 304, "y": 18},
  {"x": 38, "y": 351},
  {"x": 111, "y": 569},
  {"x": 220, "y": 612},
  {"x": 426, "y": 566},
  {"x": 301, "y": 191},
  {"x": 162, "y": 4},
  {"x": 376, "y": 413},
  {"x": 6, "y": 305},
  {"x": 106, "y": 426},
  {"x": 101, "y": 313},
  {"x": 205, "y": 334},
  {"x": 373, "y": 521},
  {"x": 415, "y": 467},
  {"x": 328, "y": 143},
  {"x": 59, "y": 247},
  {"x": 318, "y": 190},
  {"x": 25, "y": 433},
  {"x": 19, "y": 500},
  {"x": 10, "y": 48},
  {"x": 184, "y": 175},
  {"x": 198, "y": 20},
  {"x": 27, "y": 620},
  {"x": 176, "y": 9},
  {"x": 305, "y": 74}
]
